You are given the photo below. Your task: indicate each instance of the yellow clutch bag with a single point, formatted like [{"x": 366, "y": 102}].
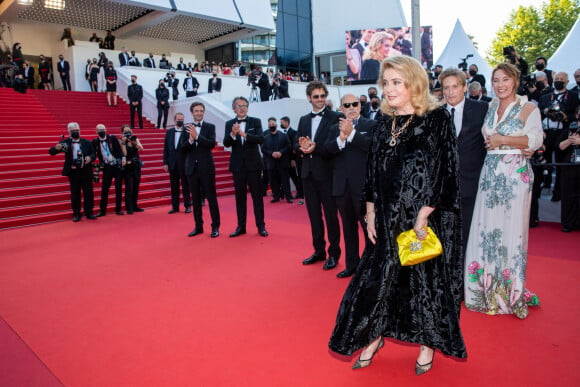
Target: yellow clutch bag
[{"x": 413, "y": 251}]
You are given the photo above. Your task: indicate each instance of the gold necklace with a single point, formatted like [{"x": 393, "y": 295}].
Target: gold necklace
[{"x": 396, "y": 133}]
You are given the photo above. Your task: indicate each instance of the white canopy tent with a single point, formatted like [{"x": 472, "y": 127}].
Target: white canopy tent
[
  {"x": 566, "y": 56},
  {"x": 457, "y": 48}
]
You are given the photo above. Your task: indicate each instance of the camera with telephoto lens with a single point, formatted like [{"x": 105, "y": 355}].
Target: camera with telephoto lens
[
  {"x": 79, "y": 162},
  {"x": 555, "y": 112},
  {"x": 509, "y": 52}
]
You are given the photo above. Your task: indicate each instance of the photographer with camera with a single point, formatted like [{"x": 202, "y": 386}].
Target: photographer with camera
[
  {"x": 260, "y": 80},
  {"x": 78, "y": 157},
  {"x": 132, "y": 173},
  {"x": 279, "y": 87},
  {"x": 511, "y": 56},
  {"x": 541, "y": 64},
  {"x": 557, "y": 110},
  {"x": 570, "y": 190},
  {"x": 111, "y": 153},
  {"x": 536, "y": 85}
]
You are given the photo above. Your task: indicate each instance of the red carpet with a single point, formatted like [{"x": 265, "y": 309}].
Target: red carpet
[{"x": 131, "y": 301}]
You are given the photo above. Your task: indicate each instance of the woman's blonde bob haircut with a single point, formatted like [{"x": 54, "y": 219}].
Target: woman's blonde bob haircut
[{"x": 416, "y": 81}]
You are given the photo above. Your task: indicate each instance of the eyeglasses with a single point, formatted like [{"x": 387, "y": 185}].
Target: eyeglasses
[
  {"x": 319, "y": 96},
  {"x": 241, "y": 106},
  {"x": 346, "y": 105}
]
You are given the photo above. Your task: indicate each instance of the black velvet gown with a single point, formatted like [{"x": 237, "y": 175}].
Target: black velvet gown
[{"x": 421, "y": 303}]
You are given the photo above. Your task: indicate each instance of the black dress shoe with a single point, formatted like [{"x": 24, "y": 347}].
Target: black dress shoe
[
  {"x": 138, "y": 209},
  {"x": 534, "y": 223},
  {"x": 313, "y": 259},
  {"x": 214, "y": 233},
  {"x": 101, "y": 213},
  {"x": 274, "y": 200},
  {"x": 330, "y": 263},
  {"x": 119, "y": 213},
  {"x": 76, "y": 218},
  {"x": 567, "y": 229},
  {"x": 187, "y": 210},
  {"x": 262, "y": 231},
  {"x": 345, "y": 274},
  {"x": 172, "y": 211},
  {"x": 196, "y": 231},
  {"x": 91, "y": 217},
  {"x": 239, "y": 231},
  {"x": 129, "y": 212}
]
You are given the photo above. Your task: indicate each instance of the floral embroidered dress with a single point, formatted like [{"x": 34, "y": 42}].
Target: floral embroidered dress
[{"x": 496, "y": 254}]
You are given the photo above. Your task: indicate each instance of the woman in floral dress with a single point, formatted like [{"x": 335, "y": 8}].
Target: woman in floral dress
[{"x": 496, "y": 257}]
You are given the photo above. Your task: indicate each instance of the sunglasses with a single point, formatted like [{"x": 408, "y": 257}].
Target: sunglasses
[
  {"x": 319, "y": 96},
  {"x": 241, "y": 106},
  {"x": 346, "y": 105}
]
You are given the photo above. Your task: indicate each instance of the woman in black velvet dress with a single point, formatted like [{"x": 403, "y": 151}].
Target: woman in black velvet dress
[{"x": 412, "y": 182}]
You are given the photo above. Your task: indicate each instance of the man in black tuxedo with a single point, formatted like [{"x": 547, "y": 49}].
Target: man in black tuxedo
[
  {"x": 78, "y": 157},
  {"x": 63, "y": 68},
  {"x": 135, "y": 95},
  {"x": 200, "y": 168},
  {"x": 468, "y": 116},
  {"x": 149, "y": 62},
  {"x": 181, "y": 66},
  {"x": 348, "y": 143},
  {"x": 295, "y": 162},
  {"x": 133, "y": 60},
  {"x": 214, "y": 84},
  {"x": 190, "y": 85},
  {"x": 367, "y": 106},
  {"x": 259, "y": 79},
  {"x": 112, "y": 158},
  {"x": 276, "y": 151},
  {"x": 374, "y": 113},
  {"x": 280, "y": 87},
  {"x": 174, "y": 163},
  {"x": 124, "y": 57},
  {"x": 244, "y": 135},
  {"x": 316, "y": 174}
]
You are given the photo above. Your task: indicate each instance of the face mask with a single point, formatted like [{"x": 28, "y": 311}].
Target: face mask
[
  {"x": 540, "y": 66},
  {"x": 540, "y": 85},
  {"x": 179, "y": 123},
  {"x": 371, "y": 96},
  {"x": 75, "y": 135},
  {"x": 127, "y": 134},
  {"x": 102, "y": 134},
  {"x": 472, "y": 73},
  {"x": 162, "y": 85},
  {"x": 272, "y": 128},
  {"x": 558, "y": 85},
  {"x": 375, "y": 105}
]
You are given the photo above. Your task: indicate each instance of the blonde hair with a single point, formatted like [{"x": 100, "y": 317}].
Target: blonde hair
[
  {"x": 375, "y": 44},
  {"x": 416, "y": 81}
]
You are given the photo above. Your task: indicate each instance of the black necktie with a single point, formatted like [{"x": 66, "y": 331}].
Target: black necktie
[
  {"x": 453, "y": 114},
  {"x": 320, "y": 114}
]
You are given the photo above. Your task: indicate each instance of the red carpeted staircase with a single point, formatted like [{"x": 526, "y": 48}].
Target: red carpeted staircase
[{"x": 32, "y": 189}]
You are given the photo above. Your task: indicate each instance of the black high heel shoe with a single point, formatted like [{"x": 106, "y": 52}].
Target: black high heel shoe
[
  {"x": 359, "y": 362},
  {"x": 420, "y": 369}
]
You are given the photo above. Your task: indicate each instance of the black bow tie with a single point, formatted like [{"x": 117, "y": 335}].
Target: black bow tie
[
  {"x": 319, "y": 114},
  {"x": 198, "y": 125},
  {"x": 240, "y": 121}
]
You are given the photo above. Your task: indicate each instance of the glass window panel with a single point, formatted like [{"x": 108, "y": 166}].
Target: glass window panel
[
  {"x": 288, "y": 6},
  {"x": 304, "y": 35},
  {"x": 303, "y": 8},
  {"x": 291, "y": 34}
]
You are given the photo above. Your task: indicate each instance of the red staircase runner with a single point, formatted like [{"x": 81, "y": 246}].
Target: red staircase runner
[{"x": 32, "y": 189}]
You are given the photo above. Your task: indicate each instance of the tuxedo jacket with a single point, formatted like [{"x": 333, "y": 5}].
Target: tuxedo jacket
[
  {"x": 114, "y": 147},
  {"x": 217, "y": 88},
  {"x": 479, "y": 78},
  {"x": 245, "y": 155},
  {"x": 278, "y": 142},
  {"x": 181, "y": 66},
  {"x": 63, "y": 67},
  {"x": 162, "y": 94},
  {"x": 173, "y": 156},
  {"x": 122, "y": 60},
  {"x": 471, "y": 148},
  {"x": 194, "y": 83},
  {"x": 87, "y": 149},
  {"x": 316, "y": 163},
  {"x": 134, "y": 61},
  {"x": 148, "y": 62},
  {"x": 135, "y": 93},
  {"x": 198, "y": 156},
  {"x": 292, "y": 137},
  {"x": 350, "y": 163}
]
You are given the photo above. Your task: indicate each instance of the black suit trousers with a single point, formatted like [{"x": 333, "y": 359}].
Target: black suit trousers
[
  {"x": 65, "y": 82},
  {"x": 351, "y": 214},
  {"x": 110, "y": 173},
  {"x": 280, "y": 183},
  {"x": 139, "y": 110},
  {"x": 162, "y": 112},
  {"x": 177, "y": 177},
  {"x": 132, "y": 182},
  {"x": 552, "y": 143},
  {"x": 243, "y": 180},
  {"x": 536, "y": 193},
  {"x": 81, "y": 179},
  {"x": 318, "y": 196},
  {"x": 294, "y": 174},
  {"x": 570, "y": 192},
  {"x": 200, "y": 185}
]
